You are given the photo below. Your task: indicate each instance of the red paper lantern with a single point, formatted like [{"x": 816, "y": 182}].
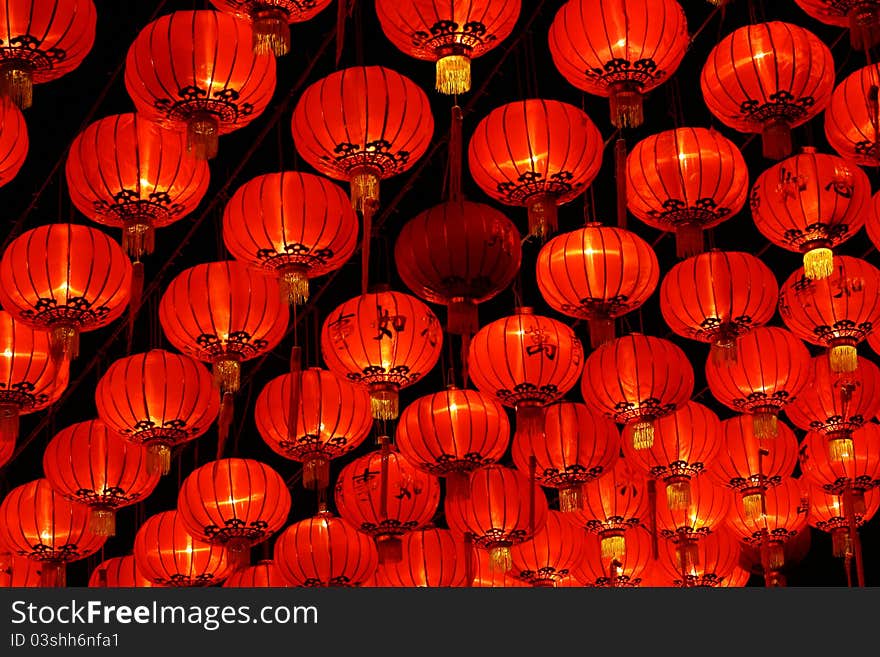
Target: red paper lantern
[
  {"x": 552, "y": 553},
  {"x": 384, "y": 496},
  {"x": 43, "y": 41},
  {"x": 836, "y": 312},
  {"x": 635, "y": 380},
  {"x": 459, "y": 254},
  {"x": 538, "y": 154},
  {"x": 570, "y": 448},
  {"x": 223, "y": 313},
  {"x": 792, "y": 84},
  {"x": 19, "y": 572},
  {"x": 166, "y": 554},
  {"x": 36, "y": 522},
  {"x": 685, "y": 181},
  {"x": 686, "y": 442},
  {"x": 705, "y": 563},
  {"x": 118, "y": 572},
  {"x": 159, "y": 399},
  {"x": 810, "y": 203},
  {"x": 64, "y": 278},
  {"x": 619, "y": 49},
  {"x": 872, "y": 220},
  {"x": 501, "y": 509},
  {"x": 332, "y": 419},
  {"x": 862, "y": 17},
  {"x": 13, "y": 140},
  {"x": 850, "y": 117},
  {"x": 362, "y": 124},
  {"x": 717, "y": 296},
  {"x": 264, "y": 574},
  {"x": 196, "y": 71},
  {"x": 296, "y": 226},
  {"x": 623, "y": 570},
  {"x": 448, "y": 33},
  {"x": 772, "y": 368},
  {"x": 739, "y": 578},
  {"x": 828, "y": 513},
  {"x": 597, "y": 273},
  {"x": 271, "y": 19},
  {"x": 89, "y": 464},
  {"x": 488, "y": 575},
  {"x": 383, "y": 341},
  {"x": 126, "y": 172},
  {"x": 707, "y": 508},
  {"x": 431, "y": 558},
  {"x": 843, "y": 465},
  {"x": 325, "y": 551}
]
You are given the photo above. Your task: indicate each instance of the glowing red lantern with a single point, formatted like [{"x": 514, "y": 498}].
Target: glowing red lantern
[
  {"x": 383, "y": 341},
  {"x": 43, "y": 41},
  {"x": 118, "y": 572},
  {"x": 773, "y": 367},
  {"x": 843, "y": 464},
  {"x": 196, "y": 71},
  {"x": 597, "y": 273},
  {"x": 13, "y": 140},
  {"x": 570, "y": 448},
  {"x": 862, "y": 17},
  {"x": 36, "y": 522},
  {"x": 89, "y": 464},
  {"x": 19, "y": 572},
  {"x": 707, "y": 508},
  {"x": 296, "y": 226},
  {"x": 704, "y": 563},
  {"x": 792, "y": 84},
  {"x": 535, "y": 153},
  {"x": 166, "y": 554},
  {"x": 430, "y": 558},
  {"x": 459, "y": 254},
  {"x": 551, "y": 554},
  {"x": 636, "y": 379},
  {"x": 619, "y": 49},
  {"x": 332, "y": 419},
  {"x": 158, "y": 399},
  {"x": 271, "y": 19},
  {"x": 828, "y": 513},
  {"x": 717, "y": 296},
  {"x": 488, "y": 575},
  {"x": 685, "y": 181},
  {"x": 851, "y": 116},
  {"x": 127, "y": 172},
  {"x": 64, "y": 278},
  {"x": 501, "y": 509},
  {"x": 624, "y": 570},
  {"x": 325, "y": 551},
  {"x": 263, "y": 574}
]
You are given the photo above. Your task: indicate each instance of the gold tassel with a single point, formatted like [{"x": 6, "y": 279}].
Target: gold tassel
[
  {"x": 601, "y": 331},
  {"x": 643, "y": 434},
  {"x": 102, "y": 521},
  {"x": 271, "y": 31},
  {"x": 753, "y": 504},
  {"x": 384, "y": 401},
  {"x": 818, "y": 263},
  {"x": 627, "y": 106},
  {"x": 841, "y": 545},
  {"x": 772, "y": 555},
  {"x": 203, "y": 136},
  {"x": 840, "y": 447},
  {"x": 238, "y": 554},
  {"x": 500, "y": 559},
  {"x": 53, "y": 574},
  {"x": 724, "y": 352},
  {"x": 63, "y": 343},
  {"x": 224, "y": 421},
  {"x": 688, "y": 240},
  {"x": 138, "y": 238},
  {"x": 765, "y": 424},
  {"x": 688, "y": 554},
  {"x": 571, "y": 498},
  {"x": 364, "y": 190},
  {"x": 453, "y": 75},
  {"x": 678, "y": 495},
  {"x": 294, "y": 283},
  {"x": 17, "y": 83},
  {"x": 543, "y": 217},
  {"x": 9, "y": 423},
  {"x": 227, "y": 375},
  {"x": 843, "y": 358},
  {"x": 613, "y": 546},
  {"x": 316, "y": 472},
  {"x": 158, "y": 458}
]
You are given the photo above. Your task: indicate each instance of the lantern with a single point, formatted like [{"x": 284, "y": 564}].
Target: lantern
[
  {"x": 36, "y": 522},
  {"x": 872, "y": 220},
  {"x": 295, "y": 226},
  {"x": 325, "y": 551},
  {"x": 619, "y": 49},
  {"x": 828, "y": 514},
  {"x": 13, "y": 140},
  {"x": 449, "y": 33},
  {"x": 685, "y": 181},
  {"x": 158, "y": 399},
  {"x": 196, "y": 71},
  {"x": 526, "y": 361},
  {"x": 538, "y": 154},
  {"x": 836, "y": 312},
  {"x": 64, "y": 278},
  {"x": 459, "y": 254},
  {"x": 685, "y": 444},
  {"x": 851, "y": 117},
  {"x": 166, "y": 554},
  {"x": 597, "y": 273},
  {"x": 223, "y": 313},
  {"x": 810, "y": 203},
  {"x": 635, "y": 380},
  {"x": 570, "y": 448},
  {"x": 450, "y": 433},
  {"x": 623, "y": 570},
  {"x": 126, "y": 172},
  {"x": 430, "y": 558},
  {"x": 118, "y": 572},
  {"x": 749, "y": 464},
  {"x": 792, "y": 84},
  {"x": 849, "y": 465},
  {"x": 706, "y": 563},
  {"x": 772, "y": 368},
  {"x": 19, "y": 572},
  {"x": 707, "y": 508},
  {"x": 384, "y": 496},
  {"x": 383, "y": 341},
  {"x": 43, "y": 41},
  {"x": 739, "y": 578},
  {"x": 862, "y": 17},
  {"x": 332, "y": 419},
  {"x": 89, "y": 464},
  {"x": 271, "y": 19},
  {"x": 30, "y": 380},
  {"x": 794, "y": 550},
  {"x": 501, "y": 509},
  {"x": 487, "y": 575},
  {"x": 784, "y": 515},
  {"x": 551, "y": 554},
  {"x": 264, "y": 574},
  {"x": 717, "y": 296}
]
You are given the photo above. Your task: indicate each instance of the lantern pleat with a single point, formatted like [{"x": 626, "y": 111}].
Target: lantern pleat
[
  {"x": 263, "y": 574},
  {"x": 851, "y": 115},
  {"x": 19, "y": 572},
  {"x": 552, "y": 554},
  {"x": 854, "y": 465},
  {"x": 431, "y": 558},
  {"x": 14, "y": 142},
  {"x": 862, "y": 17},
  {"x": 118, "y": 572},
  {"x": 621, "y": 570},
  {"x": 705, "y": 563},
  {"x": 828, "y": 513},
  {"x": 706, "y": 508}
]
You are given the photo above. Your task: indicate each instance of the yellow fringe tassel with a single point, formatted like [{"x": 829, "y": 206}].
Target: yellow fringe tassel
[
  {"x": 613, "y": 546},
  {"x": 843, "y": 358},
  {"x": 453, "y": 75},
  {"x": 818, "y": 263},
  {"x": 643, "y": 434}
]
